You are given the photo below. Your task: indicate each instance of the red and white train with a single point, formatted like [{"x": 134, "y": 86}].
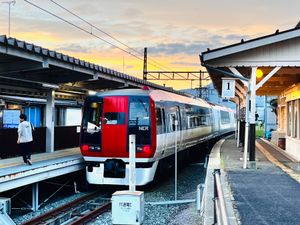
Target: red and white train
[{"x": 110, "y": 117}]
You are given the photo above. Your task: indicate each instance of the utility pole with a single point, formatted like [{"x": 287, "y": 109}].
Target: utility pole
[
  {"x": 145, "y": 65},
  {"x": 9, "y": 5},
  {"x": 175, "y": 75},
  {"x": 200, "y": 85}
]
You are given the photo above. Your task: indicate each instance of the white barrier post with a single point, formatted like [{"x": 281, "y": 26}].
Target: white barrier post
[{"x": 132, "y": 175}]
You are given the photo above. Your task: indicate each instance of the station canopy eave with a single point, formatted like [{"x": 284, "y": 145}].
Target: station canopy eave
[
  {"x": 276, "y": 55},
  {"x": 30, "y": 70}
]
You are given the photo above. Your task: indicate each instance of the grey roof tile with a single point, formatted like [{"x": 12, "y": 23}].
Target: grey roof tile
[{"x": 46, "y": 52}]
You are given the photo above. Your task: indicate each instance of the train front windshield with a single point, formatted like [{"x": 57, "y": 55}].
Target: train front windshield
[
  {"x": 139, "y": 121},
  {"x": 92, "y": 122}
]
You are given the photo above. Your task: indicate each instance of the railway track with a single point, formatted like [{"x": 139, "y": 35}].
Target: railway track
[{"x": 79, "y": 211}]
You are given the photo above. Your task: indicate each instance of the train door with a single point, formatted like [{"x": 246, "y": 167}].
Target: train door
[
  {"x": 179, "y": 128},
  {"x": 216, "y": 121},
  {"x": 91, "y": 129},
  {"x": 164, "y": 121},
  {"x": 114, "y": 128},
  {"x": 161, "y": 129},
  {"x": 173, "y": 116}
]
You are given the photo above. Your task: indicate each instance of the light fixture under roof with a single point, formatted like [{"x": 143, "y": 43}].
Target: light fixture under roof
[
  {"x": 91, "y": 92},
  {"x": 52, "y": 86},
  {"x": 259, "y": 73}
]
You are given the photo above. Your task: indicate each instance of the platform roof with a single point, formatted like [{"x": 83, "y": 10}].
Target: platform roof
[
  {"x": 30, "y": 70},
  {"x": 277, "y": 53}
]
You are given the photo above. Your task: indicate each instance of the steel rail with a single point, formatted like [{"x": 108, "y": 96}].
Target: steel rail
[
  {"x": 88, "y": 217},
  {"x": 53, "y": 213}
]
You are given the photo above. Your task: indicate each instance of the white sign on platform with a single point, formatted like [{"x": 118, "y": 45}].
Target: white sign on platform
[
  {"x": 128, "y": 207},
  {"x": 228, "y": 88}
]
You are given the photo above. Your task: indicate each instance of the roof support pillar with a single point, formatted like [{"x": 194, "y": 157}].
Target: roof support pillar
[
  {"x": 252, "y": 162},
  {"x": 50, "y": 121},
  {"x": 246, "y": 139},
  {"x": 238, "y": 120}
]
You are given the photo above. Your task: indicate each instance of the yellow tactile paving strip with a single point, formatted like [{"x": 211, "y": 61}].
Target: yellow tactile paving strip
[
  {"x": 272, "y": 159},
  {"x": 6, "y": 163}
]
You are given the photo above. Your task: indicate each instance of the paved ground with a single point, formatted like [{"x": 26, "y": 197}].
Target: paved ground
[{"x": 266, "y": 195}]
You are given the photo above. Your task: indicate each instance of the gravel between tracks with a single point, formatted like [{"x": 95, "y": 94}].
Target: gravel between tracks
[
  {"x": 188, "y": 179},
  {"x": 46, "y": 208}
]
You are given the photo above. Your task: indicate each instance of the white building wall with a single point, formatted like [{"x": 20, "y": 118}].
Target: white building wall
[
  {"x": 293, "y": 147},
  {"x": 292, "y": 96}
]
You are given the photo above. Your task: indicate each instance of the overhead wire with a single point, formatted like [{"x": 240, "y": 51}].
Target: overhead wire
[
  {"x": 93, "y": 26},
  {"x": 109, "y": 35},
  {"x": 90, "y": 32},
  {"x": 96, "y": 36},
  {"x": 80, "y": 28}
]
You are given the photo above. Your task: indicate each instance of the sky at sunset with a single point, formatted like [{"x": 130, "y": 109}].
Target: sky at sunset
[{"x": 174, "y": 31}]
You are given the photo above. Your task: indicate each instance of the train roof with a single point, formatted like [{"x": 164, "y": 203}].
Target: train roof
[
  {"x": 124, "y": 92},
  {"x": 160, "y": 95},
  {"x": 221, "y": 107},
  {"x": 156, "y": 95}
]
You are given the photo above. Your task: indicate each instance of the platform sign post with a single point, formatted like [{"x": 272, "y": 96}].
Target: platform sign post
[
  {"x": 132, "y": 172},
  {"x": 228, "y": 88}
]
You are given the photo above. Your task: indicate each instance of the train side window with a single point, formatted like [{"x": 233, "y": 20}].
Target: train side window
[
  {"x": 188, "y": 116},
  {"x": 171, "y": 122},
  {"x": 164, "y": 121},
  {"x": 204, "y": 117},
  {"x": 193, "y": 121},
  {"x": 225, "y": 119},
  {"x": 158, "y": 121}
]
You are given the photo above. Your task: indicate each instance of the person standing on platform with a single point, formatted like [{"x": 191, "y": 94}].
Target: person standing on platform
[{"x": 25, "y": 138}]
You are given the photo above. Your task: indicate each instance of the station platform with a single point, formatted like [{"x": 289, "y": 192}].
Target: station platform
[
  {"x": 269, "y": 194},
  {"x": 15, "y": 173}
]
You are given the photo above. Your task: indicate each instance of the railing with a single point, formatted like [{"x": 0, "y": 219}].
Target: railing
[{"x": 221, "y": 217}]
